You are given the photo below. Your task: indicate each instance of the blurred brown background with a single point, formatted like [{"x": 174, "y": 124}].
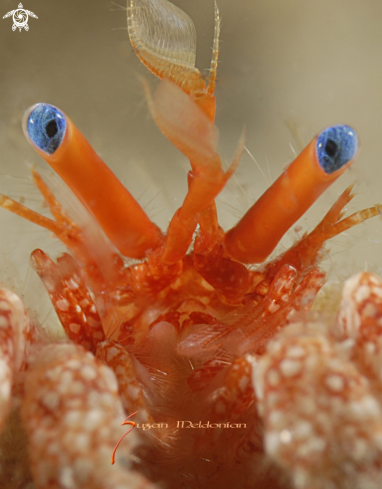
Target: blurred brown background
[{"x": 288, "y": 68}]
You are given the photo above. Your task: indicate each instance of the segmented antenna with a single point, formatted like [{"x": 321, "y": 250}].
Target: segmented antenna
[
  {"x": 164, "y": 39},
  {"x": 215, "y": 53}
]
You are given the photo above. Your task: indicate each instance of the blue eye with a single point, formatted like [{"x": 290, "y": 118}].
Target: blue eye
[
  {"x": 46, "y": 127},
  {"x": 336, "y": 146}
]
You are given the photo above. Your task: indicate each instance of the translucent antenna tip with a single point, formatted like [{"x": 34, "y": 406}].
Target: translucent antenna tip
[
  {"x": 45, "y": 126},
  {"x": 335, "y": 146}
]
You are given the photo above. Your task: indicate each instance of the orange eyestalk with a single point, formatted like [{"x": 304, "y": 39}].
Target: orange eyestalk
[
  {"x": 307, "y": 177},
  {"x": 54, "y": 136}
]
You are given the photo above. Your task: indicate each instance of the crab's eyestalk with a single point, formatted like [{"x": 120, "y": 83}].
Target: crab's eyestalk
[
  {"x": 307, "y": 177},
  {"x": 54, "y": 136}
]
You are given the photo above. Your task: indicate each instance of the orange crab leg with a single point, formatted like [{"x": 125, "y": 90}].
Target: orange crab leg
[
  {"x": 54, "y": 136},
  {"x": 300, "y": 185}
]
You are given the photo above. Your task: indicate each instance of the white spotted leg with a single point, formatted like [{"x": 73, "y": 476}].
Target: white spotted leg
[
  {"x": 237, "y": 393},
  {"x": 118, "y": 359}
]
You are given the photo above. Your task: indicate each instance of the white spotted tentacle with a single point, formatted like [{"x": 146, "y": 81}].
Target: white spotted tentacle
[
  {"x": 15, "y": 337},
  {"x": 360, "y": 322},
  {"x": 361, "y": 304},
  {"x": 73, "y": 415},
  {"x": 322, "y": 422}
]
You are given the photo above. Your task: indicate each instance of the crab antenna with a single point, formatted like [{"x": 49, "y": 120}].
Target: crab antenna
[
  {"x": 215, "y": 53},
  {"x": 191, "y": 131},
  {"x": 290, "y": 196},
  {"x": 54, "y": 137},
  {"x": 164, "y": 39}
]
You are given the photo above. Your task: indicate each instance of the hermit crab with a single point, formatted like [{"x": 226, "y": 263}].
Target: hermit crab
[{"x": 208, "y": 350}]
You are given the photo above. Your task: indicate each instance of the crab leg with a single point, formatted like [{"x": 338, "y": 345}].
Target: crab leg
[
  {"x": 117, "y": 358},
  {"x": 70, "y": 298},
  {"x": 237, "y": 393}
]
